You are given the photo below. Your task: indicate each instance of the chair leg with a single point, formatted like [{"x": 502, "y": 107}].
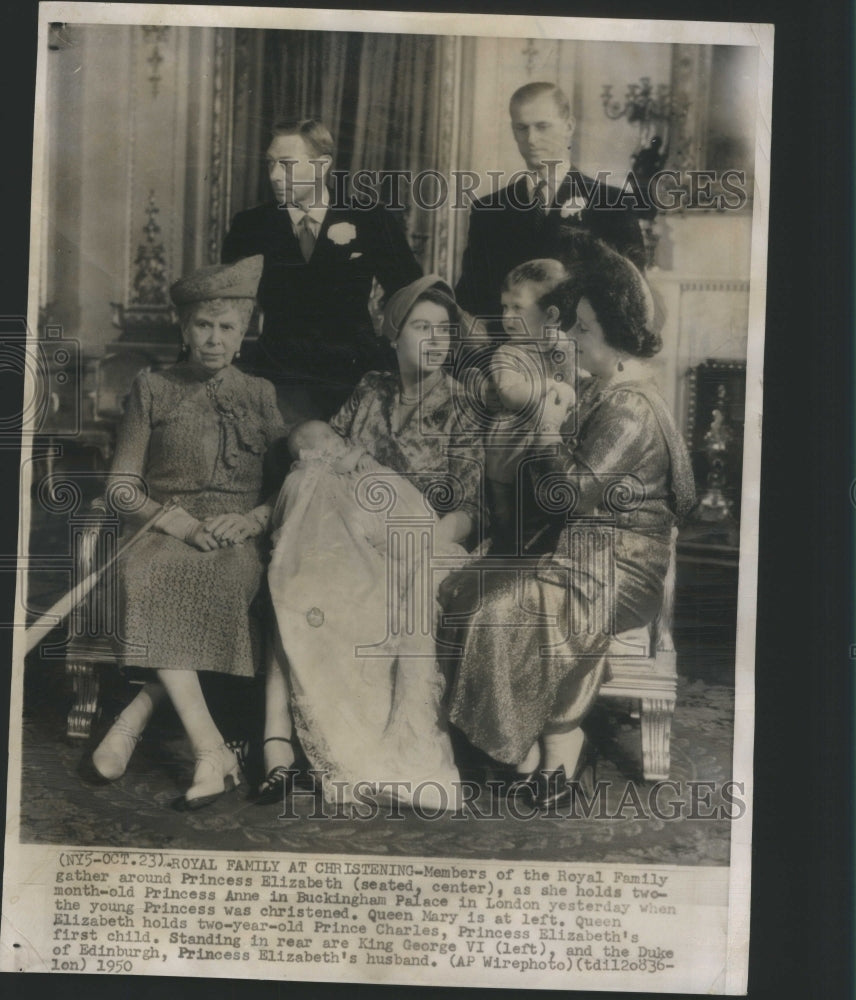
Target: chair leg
[
  {"x": 656, "y": 725},
  {"x": 85, "y": 688}
]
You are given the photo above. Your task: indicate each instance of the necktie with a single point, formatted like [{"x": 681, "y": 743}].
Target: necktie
[
  {"x": 541, "y": 195},
  {"x": 306, "y": 237}
]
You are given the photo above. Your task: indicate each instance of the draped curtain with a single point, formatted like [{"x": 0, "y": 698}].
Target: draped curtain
[{"x": 379, "y": 95}]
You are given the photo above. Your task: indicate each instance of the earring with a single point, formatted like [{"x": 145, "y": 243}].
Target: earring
[
  {"x": 621, "y": 366},
  {"x": 237, "y": 354}
]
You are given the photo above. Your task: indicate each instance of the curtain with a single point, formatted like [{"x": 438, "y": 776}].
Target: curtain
[
  {"x": 395, "y": 122},
  {"x": 306, "y": 75}
]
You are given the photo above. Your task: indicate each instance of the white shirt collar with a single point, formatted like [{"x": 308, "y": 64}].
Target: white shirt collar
[
  {"x": 316, "y": 214},
  {"x": 553, "y": 175}
]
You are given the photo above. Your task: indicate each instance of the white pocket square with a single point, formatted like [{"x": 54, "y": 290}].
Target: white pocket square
[{"x": 354, "y": 255}]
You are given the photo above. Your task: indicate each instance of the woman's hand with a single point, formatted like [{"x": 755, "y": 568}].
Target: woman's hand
[
  {"x": 349, "y": 461},
  {"x": 367, "y": 463},
  {"x": 558, "y": 401},
  {"x": 515, "y": 389},
  {"x": 453, "y": 528},
  {"x": 564, "y": 395},
  {"x": 356, "y": 460},
  {"x": 201, "y": 538},
  {"x": 231, "y": 529}
]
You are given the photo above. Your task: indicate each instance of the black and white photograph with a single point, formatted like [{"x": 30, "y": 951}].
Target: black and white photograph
[{"x": 389, "y": 498}]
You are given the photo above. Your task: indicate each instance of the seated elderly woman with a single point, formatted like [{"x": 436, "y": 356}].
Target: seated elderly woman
[
  {"x": 365, "y": 695},
  {"x": 532, "y": 638},
  {"x": 195, "y": 435}
]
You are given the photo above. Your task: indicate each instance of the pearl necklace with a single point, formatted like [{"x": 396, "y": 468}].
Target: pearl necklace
[
  {"x": 405, "y": 402},
  {"x": 427, "y": 384}
]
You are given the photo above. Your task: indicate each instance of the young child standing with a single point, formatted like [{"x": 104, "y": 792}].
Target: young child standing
[{"x": 534, "y": 367}]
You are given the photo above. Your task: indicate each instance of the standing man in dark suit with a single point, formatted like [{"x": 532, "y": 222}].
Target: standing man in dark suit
[
  {"x": 320, "y": 258},
  {"x": 544, "y": 211}
]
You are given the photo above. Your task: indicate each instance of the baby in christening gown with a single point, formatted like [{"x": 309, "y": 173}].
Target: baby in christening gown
[{"x": 355, "y": 614}]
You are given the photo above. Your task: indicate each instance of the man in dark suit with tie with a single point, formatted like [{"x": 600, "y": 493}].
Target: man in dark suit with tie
[
  {"x": 547, "y": 211},
  {"x": 320, "y": 258}
]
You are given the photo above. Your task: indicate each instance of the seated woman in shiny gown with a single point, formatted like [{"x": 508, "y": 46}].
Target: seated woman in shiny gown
[
  {"x": 196, "y": 435},
  {"x": 532, "y": 638}
]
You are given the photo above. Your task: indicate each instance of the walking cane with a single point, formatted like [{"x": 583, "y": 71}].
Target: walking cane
[{"x": 65, "y": 605}]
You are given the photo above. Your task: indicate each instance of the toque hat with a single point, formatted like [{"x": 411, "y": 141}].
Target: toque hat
[
  {"x": 220, "y": 281},
  {"x": 399, "y": 305}
]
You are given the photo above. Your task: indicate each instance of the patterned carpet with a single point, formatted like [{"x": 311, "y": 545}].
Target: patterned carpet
[{"x": 61, "y": 804}]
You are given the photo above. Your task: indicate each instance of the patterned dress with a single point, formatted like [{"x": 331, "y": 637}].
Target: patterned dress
[
  {"x": 201, "y": 440},
  {"x": 430, "y": 448},
  {"x": 355, "y": 601},
  {"x": 532, "y": 651}
]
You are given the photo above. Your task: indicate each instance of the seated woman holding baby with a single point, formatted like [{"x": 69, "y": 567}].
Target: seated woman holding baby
[
  {"x": 357, "y": 667},
  {"x": 532, "y": 638}
]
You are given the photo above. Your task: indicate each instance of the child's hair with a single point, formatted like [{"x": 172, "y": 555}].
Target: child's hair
[{"x": 543, "y": 272}]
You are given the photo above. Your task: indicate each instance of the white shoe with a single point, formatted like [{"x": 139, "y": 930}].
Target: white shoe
[
  {"x": 111, "y": 757},
  {"x": 217, "y": 771}
]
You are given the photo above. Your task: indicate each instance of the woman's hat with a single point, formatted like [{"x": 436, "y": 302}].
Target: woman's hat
[
  {"x": 645, "y": 291},
  {"x": 399, "y": 305},
  {"x": 221, "y": 281}
]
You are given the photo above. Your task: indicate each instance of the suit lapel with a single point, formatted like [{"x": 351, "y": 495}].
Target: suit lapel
[
  {"x": 529, "y": 220},
  {"x": 574, "y": 186},
  {"x": 284, "y": 242},
  {"x": 287, "y": 246},
  {"x": 326, "y": 250}
]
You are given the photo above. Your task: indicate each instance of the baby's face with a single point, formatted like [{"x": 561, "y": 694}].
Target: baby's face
[
  {"x": 315, "y": 435},
  {"x": 522, "y": 317}
]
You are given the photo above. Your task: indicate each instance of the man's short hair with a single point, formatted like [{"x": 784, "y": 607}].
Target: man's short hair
[
  {"x": 532, "y": 91},
  {"x": 313, "y": 131}
]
